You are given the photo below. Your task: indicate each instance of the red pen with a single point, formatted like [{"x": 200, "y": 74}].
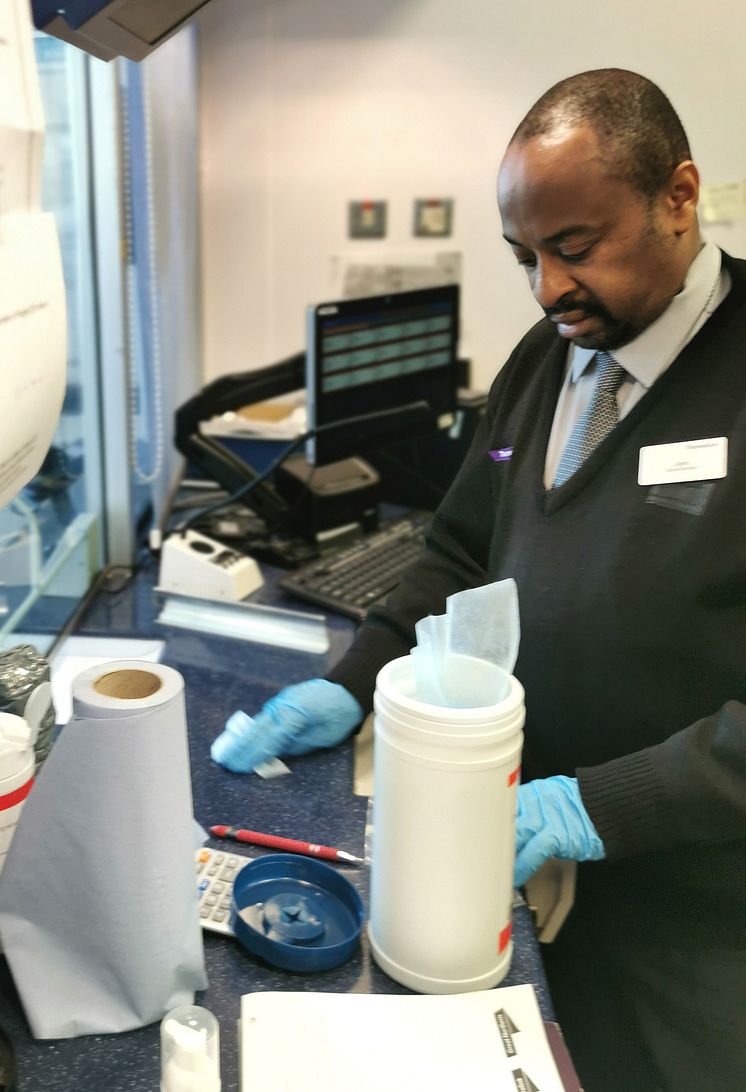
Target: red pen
[{"x": 292, "y": 845}]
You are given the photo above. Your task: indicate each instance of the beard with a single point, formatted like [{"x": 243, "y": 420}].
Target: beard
[{"x": 612, "y": 332}]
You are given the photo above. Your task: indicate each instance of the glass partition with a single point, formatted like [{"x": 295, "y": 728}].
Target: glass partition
[{"x": 50, "y": 535}]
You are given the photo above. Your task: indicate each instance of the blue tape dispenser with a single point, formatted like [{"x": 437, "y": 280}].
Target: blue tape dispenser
[{"x": 296, "y": 913}]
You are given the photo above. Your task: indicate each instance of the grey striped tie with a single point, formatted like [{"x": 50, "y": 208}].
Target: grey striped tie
[{"x": 596, "y": 421}]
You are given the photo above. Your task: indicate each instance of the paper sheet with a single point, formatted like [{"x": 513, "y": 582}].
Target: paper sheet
[
  {"x": 21, "y": 116},
  {"x": 464, "y": 658},
  {"x": 33, "y": 345},
  {"x": 280, "y": 419},
  {"x": 488, "y": 1041},
  {"x": 724, "y": 203},
  {"x": 33, "y": 322},
  {"x": 355, "y": 274}
]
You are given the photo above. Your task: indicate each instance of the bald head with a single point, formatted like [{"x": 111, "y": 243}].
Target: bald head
[{"x": 638, "y": 130}]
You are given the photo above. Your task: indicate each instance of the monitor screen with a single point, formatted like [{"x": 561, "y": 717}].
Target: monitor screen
[{"x": 380, "y": 355}]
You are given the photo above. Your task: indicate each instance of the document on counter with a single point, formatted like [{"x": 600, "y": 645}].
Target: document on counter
[
  {"x": 487, "y": 1041},
  {"x": 279, "y": 419},
  {"x": 21, "y": 114},
  {"x": 33, "y": 345}
]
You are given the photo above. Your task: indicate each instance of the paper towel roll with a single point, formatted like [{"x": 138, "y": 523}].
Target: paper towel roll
[{"x": 98, "y": 903}]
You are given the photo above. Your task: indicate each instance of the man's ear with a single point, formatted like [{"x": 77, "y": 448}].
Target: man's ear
[{"x": 682, "y": 195}]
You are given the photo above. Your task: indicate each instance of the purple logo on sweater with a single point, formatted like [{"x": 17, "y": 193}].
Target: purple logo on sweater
[{"x": 501, "y": 454}]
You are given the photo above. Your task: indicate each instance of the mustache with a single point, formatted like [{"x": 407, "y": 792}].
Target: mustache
[
  {"x": 567, "y": 304},
  {"x": 589, "y": 308}
]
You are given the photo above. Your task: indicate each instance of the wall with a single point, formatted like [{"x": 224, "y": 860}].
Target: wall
[{"x": 308, "y": 103}]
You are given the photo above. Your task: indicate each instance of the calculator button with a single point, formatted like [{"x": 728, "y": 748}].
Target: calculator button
[{"x": 215, "y": 875}]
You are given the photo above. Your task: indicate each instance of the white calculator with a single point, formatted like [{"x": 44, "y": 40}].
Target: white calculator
[{"x": 216, "y": 871}]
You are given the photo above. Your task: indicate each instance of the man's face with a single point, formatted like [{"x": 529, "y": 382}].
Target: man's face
[{"x": 602, "y": 260}]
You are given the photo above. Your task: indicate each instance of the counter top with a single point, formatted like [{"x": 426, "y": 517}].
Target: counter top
[{"x": 315, "y": 802}]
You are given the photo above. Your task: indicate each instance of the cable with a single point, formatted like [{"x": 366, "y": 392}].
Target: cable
[
  {"x": 248, "y": 487},
  {"x": 98, "y": 584},
  {"x": 244, "y": 491},
  {"x": 144, "y": 477}
]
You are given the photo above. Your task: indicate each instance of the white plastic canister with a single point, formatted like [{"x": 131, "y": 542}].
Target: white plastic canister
[
  {"x": 445, "y": 783},
  {"x": 16, "y": 775}
]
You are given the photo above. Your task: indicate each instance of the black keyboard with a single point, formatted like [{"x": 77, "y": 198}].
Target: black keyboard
[{"x": 350, "y": 579}]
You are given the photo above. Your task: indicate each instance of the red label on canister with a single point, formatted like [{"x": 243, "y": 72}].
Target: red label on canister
[
  {"x": 514, "y": 776},
  {"x": 16, "y": 797},
  {"x": 504, "y": 937}
]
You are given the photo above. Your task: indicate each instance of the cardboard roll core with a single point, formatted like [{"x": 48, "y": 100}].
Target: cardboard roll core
[{"x": 128, "y": 684}]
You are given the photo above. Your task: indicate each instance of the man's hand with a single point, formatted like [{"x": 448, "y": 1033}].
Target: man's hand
[
  {"x": 299, "y": 719},
  {"x": 552, "y": 822}
]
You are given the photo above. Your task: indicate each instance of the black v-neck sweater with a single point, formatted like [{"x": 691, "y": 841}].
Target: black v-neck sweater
[{"x": 633, "y": 624}]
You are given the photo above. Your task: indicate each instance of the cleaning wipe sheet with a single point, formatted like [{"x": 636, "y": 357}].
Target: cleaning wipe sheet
[{"x": 480, "y": 623}]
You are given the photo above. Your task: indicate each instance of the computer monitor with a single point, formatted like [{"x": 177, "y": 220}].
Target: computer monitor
[{"x": 379, "y": 354}]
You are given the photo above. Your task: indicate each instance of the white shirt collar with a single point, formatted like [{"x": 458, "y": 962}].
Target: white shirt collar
[{"x": 653, "y": 350}]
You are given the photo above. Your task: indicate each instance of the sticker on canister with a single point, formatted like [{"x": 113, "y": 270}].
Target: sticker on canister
[{"x": 16, "y": 775}]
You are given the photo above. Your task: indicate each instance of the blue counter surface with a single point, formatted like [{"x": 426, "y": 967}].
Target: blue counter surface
[{"x": 315, "y": 803}]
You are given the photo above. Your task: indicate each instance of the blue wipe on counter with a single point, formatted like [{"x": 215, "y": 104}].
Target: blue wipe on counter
[{"x": 296, "y": 912}]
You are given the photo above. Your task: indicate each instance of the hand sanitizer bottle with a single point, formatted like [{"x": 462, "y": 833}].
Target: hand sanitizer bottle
[{"x": 190, "y": 1050}]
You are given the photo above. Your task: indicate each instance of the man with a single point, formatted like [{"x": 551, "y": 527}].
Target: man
[{"x": 630, "y": 560}]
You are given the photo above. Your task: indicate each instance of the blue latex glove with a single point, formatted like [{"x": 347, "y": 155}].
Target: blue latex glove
[
  {"x": 552, "y": 822},
  {"x": 299, "y": 719}
]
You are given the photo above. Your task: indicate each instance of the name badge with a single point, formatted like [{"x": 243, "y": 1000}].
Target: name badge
[{"x": 690, "y": 461}]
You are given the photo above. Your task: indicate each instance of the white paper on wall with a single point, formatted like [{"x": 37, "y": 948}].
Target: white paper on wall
[
  {"x": 724, "y": 203},
  {"x": 33, "y": 345},
  {"x": 21, "y": 114},
  {"x": 354, "y": 275}
]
